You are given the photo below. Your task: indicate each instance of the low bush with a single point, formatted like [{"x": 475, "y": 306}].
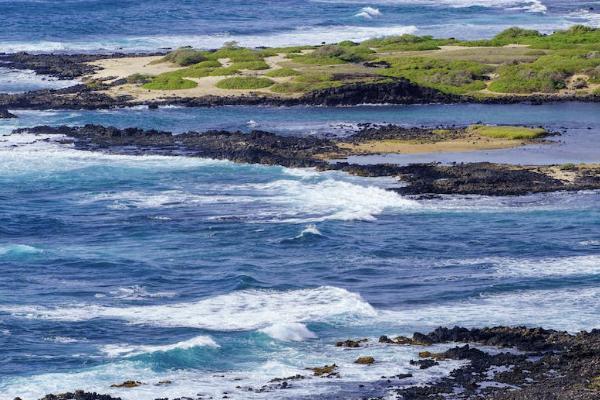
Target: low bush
[
  {"x": 244, "y": 82},
  {"x": 170, "y": 82},
  {"x": 184, "y": 57},
  {"x": 138, "y": 79},
  {"x": 282, "y": 72}
]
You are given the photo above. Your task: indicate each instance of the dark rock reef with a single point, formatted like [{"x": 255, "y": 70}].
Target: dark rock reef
[
  {"x": 258, "y": 147},
  {"x": 526, "y": 364},
  {"x": 5, "y": 114}
]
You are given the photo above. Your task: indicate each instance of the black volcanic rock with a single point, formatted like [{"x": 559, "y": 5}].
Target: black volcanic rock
[{"x": 5, "y": 114}]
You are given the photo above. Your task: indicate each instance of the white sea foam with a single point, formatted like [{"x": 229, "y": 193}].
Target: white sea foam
[
  {"x": 553, "y": 266},
  {"x": 289, "y": 361},
  {"x": 120, "y": 350},
  {"x": 137, "y": 292},
  {"x": 310, "y": 229},
  {"x": 241, "y": 310},
  {"x": 585, "y": 16},
  {"x": 18, "y": 81},
  {"x": 331, "y": 199},
  {"x": 163, "y": 199},
  {"x": 300, "y": 36},
  {"x": 527, "y": 5},
  {"x": 61, "y": 339},
  {"x": 368, "y": 12},
  {"x": 12, "y": 250},
  {"x": 289, "y": 331},
  {"x": 567, "y": 309},
  {"x": 42, "y": 155}
]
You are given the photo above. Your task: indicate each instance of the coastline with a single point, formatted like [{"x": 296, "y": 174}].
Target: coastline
[
  {"x": 500, "y": 363},
  {"x": 266, "y": 148}
]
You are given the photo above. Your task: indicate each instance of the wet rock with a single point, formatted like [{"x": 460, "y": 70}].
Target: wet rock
[
  {"x": 424, "y": 364},
  {"x": 365, "y": 360},
  {"x": 405, "y": 340},
  {"x": 164, "y": 383},
  {"x": 259, "y": 147},
  {"x": 351, "y": 343},
  {"x": 327, "y": 371},
  {"x": 435, "y": 356},
  {"x": 127, "y": 384},
  {"x": 5, "y": 114},
  {"x": 79, "y": 395}
]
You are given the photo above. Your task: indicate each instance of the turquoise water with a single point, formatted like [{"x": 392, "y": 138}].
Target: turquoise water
[{"x": 217, "y": 275}]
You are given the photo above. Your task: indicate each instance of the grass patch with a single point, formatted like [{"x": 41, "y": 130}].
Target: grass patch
[
  {"x": 244, "y": 82},
  {"x": 406, "y": 43},
  {"x": 507, "y": 132},
  {"x": 251, "y": 65},
  {"x": 456, "y": 77},
  {"x": 282, "y": 73},
  {"x": 170, "y": 82}
]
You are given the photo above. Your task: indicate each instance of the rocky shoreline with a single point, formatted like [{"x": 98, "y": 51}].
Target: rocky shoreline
[
  {"x": 258, "y": 147},
  {"x": 86, "y": 96},
  {"x": 527, "y": 364}
]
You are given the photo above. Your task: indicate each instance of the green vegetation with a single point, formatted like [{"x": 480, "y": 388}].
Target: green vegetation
[
  {"x": 139, "y": 79},
  {"x": 169, "y": 82},
  {"x": 244, "y": 82},
  {"x": 507, "y": 132},
  {"x": 406, "y": 43},
  {"x": 184, "y": 56},
  {"x": 282, "y": 73},
  {"x": 457, "y": 77},
  {"x": 307, "y": 82},
  {"x": 331, "y": 54},
  {"x": 568, "y": 59},
  {"x": 567, "y": 167}
]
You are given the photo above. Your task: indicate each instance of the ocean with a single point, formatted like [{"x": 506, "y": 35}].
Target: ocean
[
  {"x": 219, "y": 277},
  {"x": 112, "y": 25}
]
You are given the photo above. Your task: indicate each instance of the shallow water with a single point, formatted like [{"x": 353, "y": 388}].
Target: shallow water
[
  {"x": 578, "y": 123},
  {"x": 85, "y": 25},
  {"x": 216, "y": 275}
]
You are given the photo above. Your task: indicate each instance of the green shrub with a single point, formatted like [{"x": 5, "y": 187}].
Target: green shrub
[
  {"x": 567, "y": 167},
  {"x": 282, "y": 72},
  {"x": 331, "y": 54},
  {"x": 170, "y": 81},
  {"x": 244, "y": 82},
  {"x": 290, "y": 87},
  {"x": 184, "y": 57},
  {"x": 522, "y": 79}
]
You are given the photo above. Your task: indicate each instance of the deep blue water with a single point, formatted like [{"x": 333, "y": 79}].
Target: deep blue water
[
  {"x": 216, "y": 275},
  {"x": 47, "y": 25}
]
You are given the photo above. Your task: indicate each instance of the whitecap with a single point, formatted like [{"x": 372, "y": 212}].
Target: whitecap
[
  {"x": 137, "y": 292},
  {"x": 290, "y": 331},
  {"x": 368, "y": 12},
  {"x": 241, "y": 310},
  {"x": 16, "y": 250},
  {"x": 130, "y": 350}
]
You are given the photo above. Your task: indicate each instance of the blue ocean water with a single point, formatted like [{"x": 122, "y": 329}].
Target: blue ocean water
[
  {"x": 81, "y": 25},
  {"x": 220, "y": 276}
]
